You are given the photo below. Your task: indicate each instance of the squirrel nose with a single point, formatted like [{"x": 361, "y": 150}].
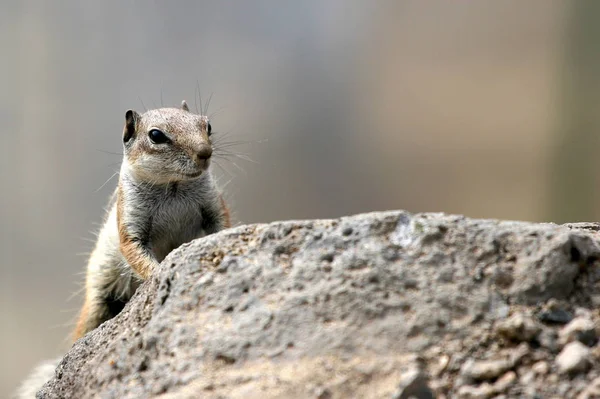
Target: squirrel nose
[{"x": 204, "y": 153}]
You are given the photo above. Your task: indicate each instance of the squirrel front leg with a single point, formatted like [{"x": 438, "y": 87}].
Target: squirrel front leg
[
  {"x": 133, "y": 247},
  {"x": 137, "y": 255}
]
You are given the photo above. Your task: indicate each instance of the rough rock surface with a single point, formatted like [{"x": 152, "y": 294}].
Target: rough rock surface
[{"x": 379, "y": 305}]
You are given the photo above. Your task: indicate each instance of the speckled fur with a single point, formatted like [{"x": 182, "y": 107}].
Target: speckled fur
[{"x": 166, "y": 196}]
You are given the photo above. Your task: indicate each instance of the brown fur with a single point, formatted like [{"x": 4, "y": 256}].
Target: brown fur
[
  {"x": 166, "y": 196},
  {"x": 133, "y": 253},
  {"x": 81, "y": 327},
  {"x": 190, "y": 136},
  {"x": 226, "y": 213}
]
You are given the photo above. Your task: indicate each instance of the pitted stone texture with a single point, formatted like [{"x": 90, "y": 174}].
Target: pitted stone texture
[{"x": 335, "y": 308}]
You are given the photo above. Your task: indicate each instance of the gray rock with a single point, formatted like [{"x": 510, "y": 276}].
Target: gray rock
[
  {"x": 332, "y": 308},
  {"x": 480, "y": 370},
  {"x": 519, "y": 327},
  {"x": 581, "y": 329},
  {"x": 591, "y": 391},
  {"x": 575, "y": 357},
  {"x": 548, "y": 338},
  {"x": 485, "y": 369},
  {"x": 414, "y": 384},
  {"x": 487, "y": 390},
  {"x": 555, "y": 313},
  {"x": 505, "y": 382},
  {"x": 482, "y": 391},
  {"x": 541, "y": 368}
]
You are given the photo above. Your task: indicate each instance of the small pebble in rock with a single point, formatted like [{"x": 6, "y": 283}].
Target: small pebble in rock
[
  {"x": 484, "y": 369},
  {"x": 575, "y": 357},
  {"x": 554, "y": 313},
  {"x": 591, "y": 391},
  {"x": 505, "y": 382},
  {"x": 441, "y": 366},
  {"x": 563, "y": 388},
  {"x": 548, "y": 339},
  {"x": 481, "y": 370},
  {"x": 414, "y": 384},
  {"x": 484, "y": 390},
  {"x": 322, "y": 393},
  {"x": 580, "y": 329},
  {"x": 557, "y": 316},
  {"x": 530, "y": 391},
  {"x": 583, "y": 312},
  {"x": 519, "y": 327},
  {"x": 541, "y": 368},
  {"x": 527, "y": 378}
]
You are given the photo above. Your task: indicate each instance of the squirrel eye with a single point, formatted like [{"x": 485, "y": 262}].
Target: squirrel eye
[
  {"x": 209, "y": 129},
  {"x": 158, "y": 137}
]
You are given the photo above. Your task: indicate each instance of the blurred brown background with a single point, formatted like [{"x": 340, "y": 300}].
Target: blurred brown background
[{"x": 485, "y": 108}]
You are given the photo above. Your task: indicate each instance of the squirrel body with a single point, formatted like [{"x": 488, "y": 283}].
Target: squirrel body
[{"x": 166, "y": 196}]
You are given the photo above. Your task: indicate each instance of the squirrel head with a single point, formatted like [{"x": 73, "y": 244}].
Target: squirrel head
[{"x": 167, "y": 144}]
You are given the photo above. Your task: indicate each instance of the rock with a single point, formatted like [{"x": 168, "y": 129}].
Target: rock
[
  {"x": 583, "y": 312},
  {"x": 581, "y": 329},
  {"x": 490, "y": 369},
  {"x": 338, "y": 308},
  {"x": 558, "y": 316},
  {"x": 414, "y": 384},
  {"x": 485, "y": 369},
  {"x": 441, "y": 365},
  {"x": 548, "y": 339},
  {"x": 575, "y": 357},
  {"x": 487, "y": 390},
  {"x": 592, "y": 391},
  {"x": 505, "y": 382},
  {"x": 541, "y": 368},
  {"x": 482, "y": 391},
  {"x": 519, "y": 327}
]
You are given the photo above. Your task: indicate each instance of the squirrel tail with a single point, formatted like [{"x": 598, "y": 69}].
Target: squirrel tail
[{"x": 42, "y": 373}]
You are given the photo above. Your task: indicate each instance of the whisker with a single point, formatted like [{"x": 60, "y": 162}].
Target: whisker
[
  {"x": 238, "y": 167},
  {"x": 228, "y": 151},
  {"x": 106, "y": 182},
  {"x": 76, "y": 293},
  {"x": 230, "y": 144},
  {"x": 243, "y": 157},
  {"x": 225, "y": 171},
  {"x": 217, "y": 112},
  {"x": 196, "y": 96},
  {"x": 207, "y": 104},
  {"x": 226, "y": 184},
  {"x": 143, "y": 106},
  {"x": 108, "y": 152},
  {"x": 199, "y": 94}
]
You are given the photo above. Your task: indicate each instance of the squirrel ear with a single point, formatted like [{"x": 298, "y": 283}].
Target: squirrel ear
[
  {"x": 184, "y": 106},
  {"x": 131, "y": 118}
]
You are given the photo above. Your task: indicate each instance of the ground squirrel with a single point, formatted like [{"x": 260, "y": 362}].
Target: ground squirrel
[{"x": 166, "y": 196}]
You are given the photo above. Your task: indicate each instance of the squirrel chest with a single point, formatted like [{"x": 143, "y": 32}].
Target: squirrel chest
[{"x": 169, "y": 216}]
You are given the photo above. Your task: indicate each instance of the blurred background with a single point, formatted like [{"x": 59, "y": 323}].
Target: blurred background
[{"x": 487, "y": 109}]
